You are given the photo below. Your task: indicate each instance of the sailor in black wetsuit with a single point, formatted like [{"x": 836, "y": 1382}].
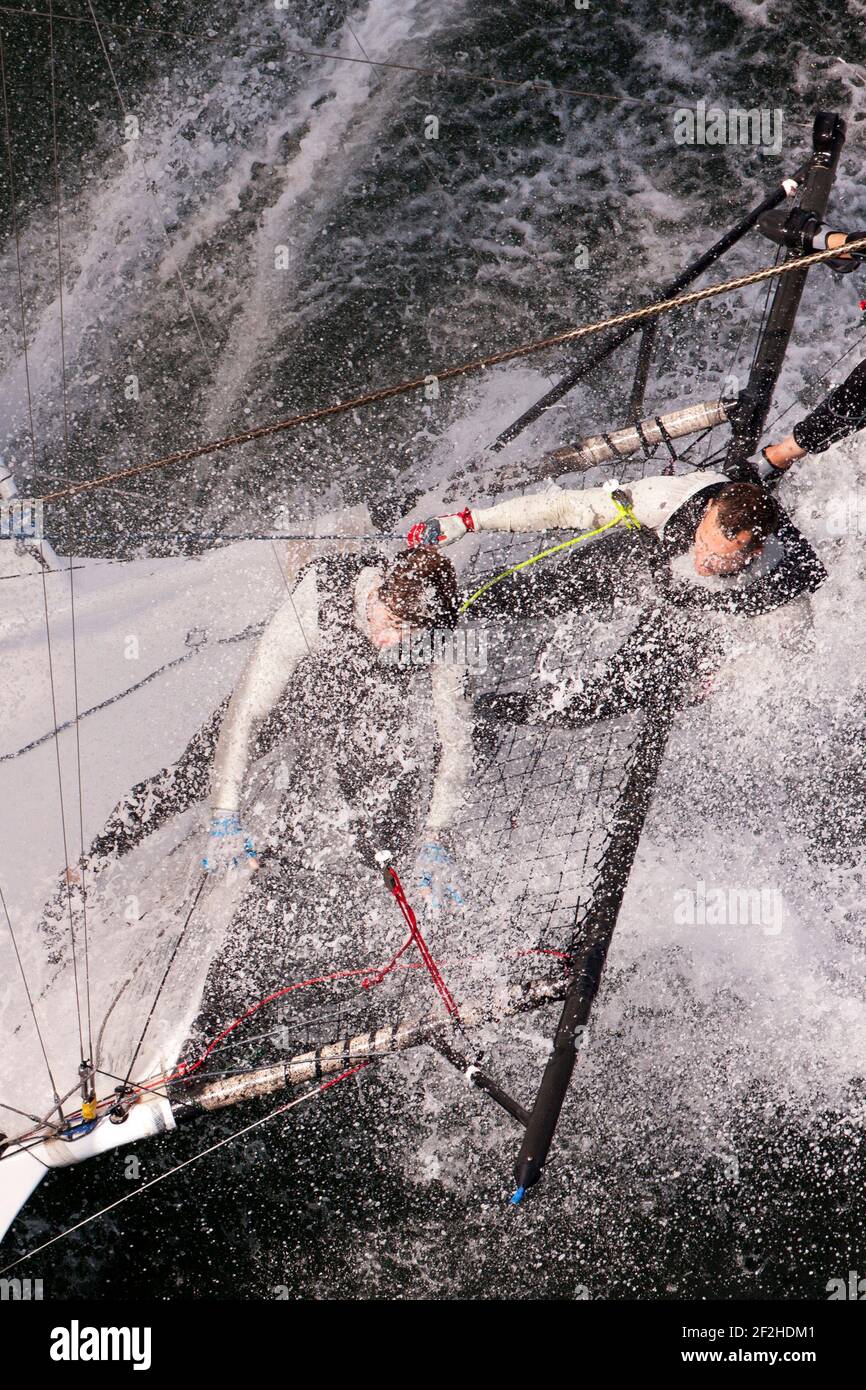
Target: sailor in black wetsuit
[
  {"x": 319, "y": 660},
  {"x": 702, "y": 543},
  {"x": 840, "y": 413}
]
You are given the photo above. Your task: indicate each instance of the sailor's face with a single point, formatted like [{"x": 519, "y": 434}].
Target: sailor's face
[
  {"x": 384, "y": 628},
  {"x": 716, "y": 553}
]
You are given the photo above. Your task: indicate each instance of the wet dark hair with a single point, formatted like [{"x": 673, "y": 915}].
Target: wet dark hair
[
  {"x": 420, "y": 587},
  {"x": 746, "y": 507}
]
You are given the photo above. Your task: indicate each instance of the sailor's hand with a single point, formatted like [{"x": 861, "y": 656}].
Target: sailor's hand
[
  {"x": 228, "y": 846},
  {"x": 441, "y": 530},
  {"x": 768, "y": 472},
  {"x": 437, "y": 883}
]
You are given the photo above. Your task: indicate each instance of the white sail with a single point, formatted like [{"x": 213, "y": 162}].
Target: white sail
[{"x": 159, "y": 645}]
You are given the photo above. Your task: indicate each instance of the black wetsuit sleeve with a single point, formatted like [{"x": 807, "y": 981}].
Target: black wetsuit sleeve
[{"x": 840, "y": 413}]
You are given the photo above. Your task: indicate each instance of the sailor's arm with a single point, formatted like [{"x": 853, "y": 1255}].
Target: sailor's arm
[
  {"x": 572, "y": 509},
  {"x": 650, "y": 501},
  {"x": 452, "y": 710},
  {"x": 291, "y": 632},
  {"x": 841, "y": 412},
  {"x": 436, "y": 875}
]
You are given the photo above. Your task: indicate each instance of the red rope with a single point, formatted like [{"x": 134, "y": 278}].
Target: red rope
[
  {"x": 386, "y": 969},
  {"x": 393, "y": 882},
  {"x": 344, "y": 1076},
  {"x": 187, "y": 1068}
]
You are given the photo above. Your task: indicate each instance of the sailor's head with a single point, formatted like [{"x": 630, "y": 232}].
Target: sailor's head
[
  {"x": 733, "y": 529},
  {"x": 418, "y": 590}
]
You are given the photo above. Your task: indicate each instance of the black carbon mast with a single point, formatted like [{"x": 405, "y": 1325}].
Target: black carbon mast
[{"x": 828, "y": 137}]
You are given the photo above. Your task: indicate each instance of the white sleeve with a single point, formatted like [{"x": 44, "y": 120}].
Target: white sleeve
[
  {"x": 290, "y": 634},
  {"x": 572, "y": 509},
  {"x": 654, "y": 500},
  {"x": 453, "y": 714}
]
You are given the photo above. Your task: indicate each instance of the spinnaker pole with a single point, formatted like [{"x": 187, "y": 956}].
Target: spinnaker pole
[
  {"x": 593, "y": 359},
  {"x": 641, "y": 434},
  {"x": 190, "y": 1099}
]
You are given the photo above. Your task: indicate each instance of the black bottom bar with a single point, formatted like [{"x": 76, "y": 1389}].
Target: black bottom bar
[{"x": 480, "y": 1078}]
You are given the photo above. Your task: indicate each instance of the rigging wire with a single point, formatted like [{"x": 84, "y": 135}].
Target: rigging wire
[
  {"x": 14, "y": 1110},
  {"x": 478, "y": 364},
  {"x": 141, "y": 1086},
  {"x": 68, "y": 470},
  {"x": 798, "y": 399},
  {"x": 33, "y": 1012},
  {"x": 46, "y": 1122},
  {"x": 735, "y": 350},
  {"x": 523, "y": 84},
  {"x": 83, "y": 19},
  {"x": 32, "y": 574},
  {"x": 201, "y": 885},
  {"x": 32, "y": 432},
  {"x": 171, "y": 960}
]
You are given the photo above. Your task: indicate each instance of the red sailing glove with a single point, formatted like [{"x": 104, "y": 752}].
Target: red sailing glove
[{"x": 441, "y": 530}]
